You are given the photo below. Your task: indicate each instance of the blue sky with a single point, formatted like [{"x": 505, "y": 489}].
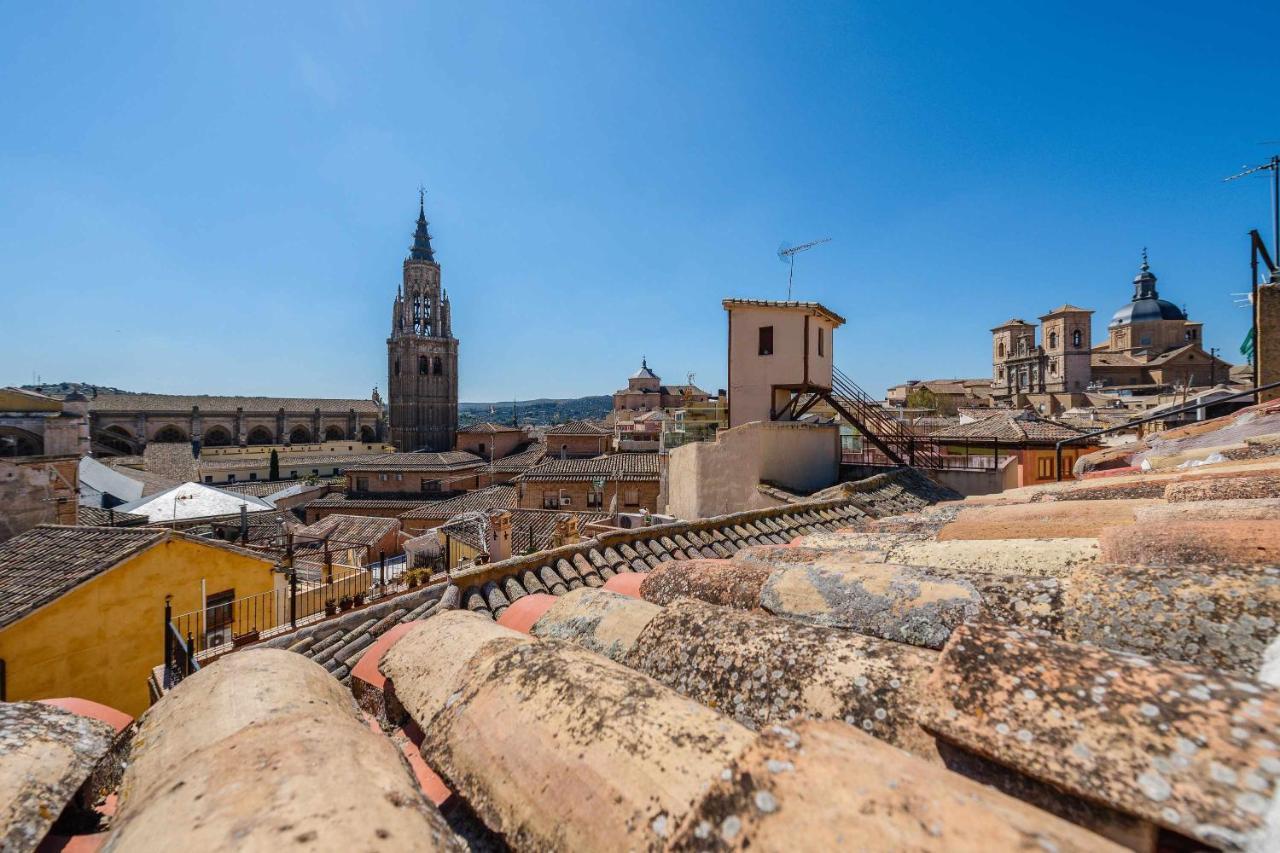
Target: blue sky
[{"x": 216, "y": 198}]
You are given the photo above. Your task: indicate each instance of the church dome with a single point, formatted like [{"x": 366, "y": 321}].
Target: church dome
[{"x": 1146, "y": 304}]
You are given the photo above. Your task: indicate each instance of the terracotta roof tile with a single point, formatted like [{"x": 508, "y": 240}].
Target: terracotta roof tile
[
  {"x": 480, "y": 500},
  {"x": 577, "y": 428},
  {"x": 619, "y": 466},
  {"x": 183, "y": 403},
  {"x": 349, "y": 529},
  {"x": 43, "y": 563},
  {"x": 451, "y": 460}
]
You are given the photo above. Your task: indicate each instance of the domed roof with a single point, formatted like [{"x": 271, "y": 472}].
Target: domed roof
[{"x": 1146, "y": 304}]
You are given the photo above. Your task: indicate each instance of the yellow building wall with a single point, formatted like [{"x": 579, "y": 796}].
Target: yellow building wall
[{"x": 101, "y": 640}]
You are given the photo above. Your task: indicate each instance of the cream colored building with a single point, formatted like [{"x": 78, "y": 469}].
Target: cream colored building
[{"x": 776, "y": 348}]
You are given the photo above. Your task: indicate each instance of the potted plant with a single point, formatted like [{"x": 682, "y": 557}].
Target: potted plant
[
  {"x": 359, "y": 599},
  {"x": 344, "y": 603},
  {"x": 330, "y": 607}
]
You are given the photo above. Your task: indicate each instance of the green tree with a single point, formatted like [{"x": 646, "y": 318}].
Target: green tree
[
  {"x": 273, "y": 467},
  {"x": 922, "y": 398}
]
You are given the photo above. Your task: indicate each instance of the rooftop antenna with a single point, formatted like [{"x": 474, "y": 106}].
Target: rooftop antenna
[
  {"x": 787, "y": 254},
  {"x": 1272, "y": 166}
]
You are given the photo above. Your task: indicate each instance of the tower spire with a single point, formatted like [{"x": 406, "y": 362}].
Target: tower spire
[{"x": 421, "y": 248}]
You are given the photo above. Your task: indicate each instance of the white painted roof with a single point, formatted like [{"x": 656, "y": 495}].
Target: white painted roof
[{"x": 193, "y": 500}]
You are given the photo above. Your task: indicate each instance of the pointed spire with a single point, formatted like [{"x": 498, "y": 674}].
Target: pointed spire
[
  {"x": 421, "y": 248},
  {"x": 1144, "y": 283}
]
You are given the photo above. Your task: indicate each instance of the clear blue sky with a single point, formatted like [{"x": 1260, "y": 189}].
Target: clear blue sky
[{"x": 216, "y": 198}]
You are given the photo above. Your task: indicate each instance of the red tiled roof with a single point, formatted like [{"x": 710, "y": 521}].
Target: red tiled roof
[
  {"x": 617, "y": 467},
  {"x": 577, "y": 428},
  {"x": 1013, "y": 427},
  {"x": 450, "y": 460},
  {"x": 348, "y": 529},
  {"x": 494, "y": 497},
  {"x": 211, "y": 404}
]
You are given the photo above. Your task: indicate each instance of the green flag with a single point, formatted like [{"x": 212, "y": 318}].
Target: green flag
[{"x": 1246, "y": 348}]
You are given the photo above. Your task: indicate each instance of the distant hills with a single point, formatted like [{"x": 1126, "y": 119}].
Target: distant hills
[
  {"x": 541, "y": 411},
  {"x": 62, "y": 389},
  {"x": 544, "y": 410}
]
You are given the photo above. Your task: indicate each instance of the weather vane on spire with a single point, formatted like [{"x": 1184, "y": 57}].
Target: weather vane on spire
[
  {"x": 422, "y": 195},
  {"x": 1145, "y": 265}
]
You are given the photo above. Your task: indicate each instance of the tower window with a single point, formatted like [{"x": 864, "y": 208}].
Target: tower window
[
  {"x": 1000, "y": 349},
  {"x": 397, "y": 367},
  {"x": 422, "y": 365},
  {"x": 1076, "y": 338},
  {"x": 822, "y": 340},
  {"x": 1053, "y": 340},
  {"x": 436, "y": 366},
  {"x": 766, "y": 340}
]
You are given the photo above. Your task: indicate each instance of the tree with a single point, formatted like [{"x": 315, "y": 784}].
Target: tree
[
  {"x": 922, "y": 398},
  {"x": 273, "y": 467}
]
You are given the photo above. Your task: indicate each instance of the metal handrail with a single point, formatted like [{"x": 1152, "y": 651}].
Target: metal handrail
[
  {"x": 1129, "y": 424},
  {"x": 889, "y": 429}
]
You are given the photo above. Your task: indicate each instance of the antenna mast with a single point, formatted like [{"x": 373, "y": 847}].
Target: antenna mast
[
  {"x": 1272, "y": 166},
  {"x": 787, "y": 254}
]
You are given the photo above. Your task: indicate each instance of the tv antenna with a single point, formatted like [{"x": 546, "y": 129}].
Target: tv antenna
[
  {"x": 787, "y": 254},
  {"x": 1272, "y": 166}
]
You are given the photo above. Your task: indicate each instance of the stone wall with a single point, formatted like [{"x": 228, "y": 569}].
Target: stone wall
[
  {"x": 713, "y": 478},
  {"x": 37, "y": 490}
]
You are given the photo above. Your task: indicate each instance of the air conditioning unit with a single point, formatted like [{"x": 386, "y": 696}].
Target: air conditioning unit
[
  {"x": 217, "y": 637},
  {"x": 565, "y": 500}
]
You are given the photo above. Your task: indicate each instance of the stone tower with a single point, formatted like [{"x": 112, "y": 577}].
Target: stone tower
[{"x": 422, "y": 354}]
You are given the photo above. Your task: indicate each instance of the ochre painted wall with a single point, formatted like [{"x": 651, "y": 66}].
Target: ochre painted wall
[{"x": 101, "y": 640}]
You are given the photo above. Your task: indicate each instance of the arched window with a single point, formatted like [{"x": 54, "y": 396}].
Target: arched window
[
  {"x": 300, "y": 435},
  {"x": 436, "y": 367},
  {"x": 1053, "y": 340},
  {"x": 260, "y": 435},
  {"x": 334, "y": 433},
  {"x": 397, "y": 367},
  {"x": 423, "y": 367},
  {"x": 217, "y": 437},
  {"x": 1000, "y": 349},
  {"x": 1076, "y": 338},
  {"x": 170, "y": 435}
]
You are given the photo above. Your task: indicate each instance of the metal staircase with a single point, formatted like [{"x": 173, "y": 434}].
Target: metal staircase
[{"x": 892, "y": 438}]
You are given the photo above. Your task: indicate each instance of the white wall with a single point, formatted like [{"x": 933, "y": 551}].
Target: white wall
[{"x": 706, "y": 479}]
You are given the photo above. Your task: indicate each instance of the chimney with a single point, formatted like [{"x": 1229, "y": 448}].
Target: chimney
[
  {"x": 498, "y": 536},
  {"x": 567, "y": 532},
  {"x": 244, "y": 524}
]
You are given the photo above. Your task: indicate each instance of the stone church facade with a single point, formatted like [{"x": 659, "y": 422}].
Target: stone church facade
[
  {"x": 422, "y": 354},
  {"x": 1150, "y": 344}
]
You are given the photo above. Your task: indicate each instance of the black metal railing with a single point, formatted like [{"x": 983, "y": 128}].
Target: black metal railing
[
  {"x": 947, "y": 454},
  {"x": 890, "y": 436},
  {"x": 309, "y": 593},
  {"x": 1204, "y": 404},
  {"x": 179, "y": 659}
]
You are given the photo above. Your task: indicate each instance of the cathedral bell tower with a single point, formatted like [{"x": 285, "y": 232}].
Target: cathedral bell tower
[{"x": 422, "y": 353}]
